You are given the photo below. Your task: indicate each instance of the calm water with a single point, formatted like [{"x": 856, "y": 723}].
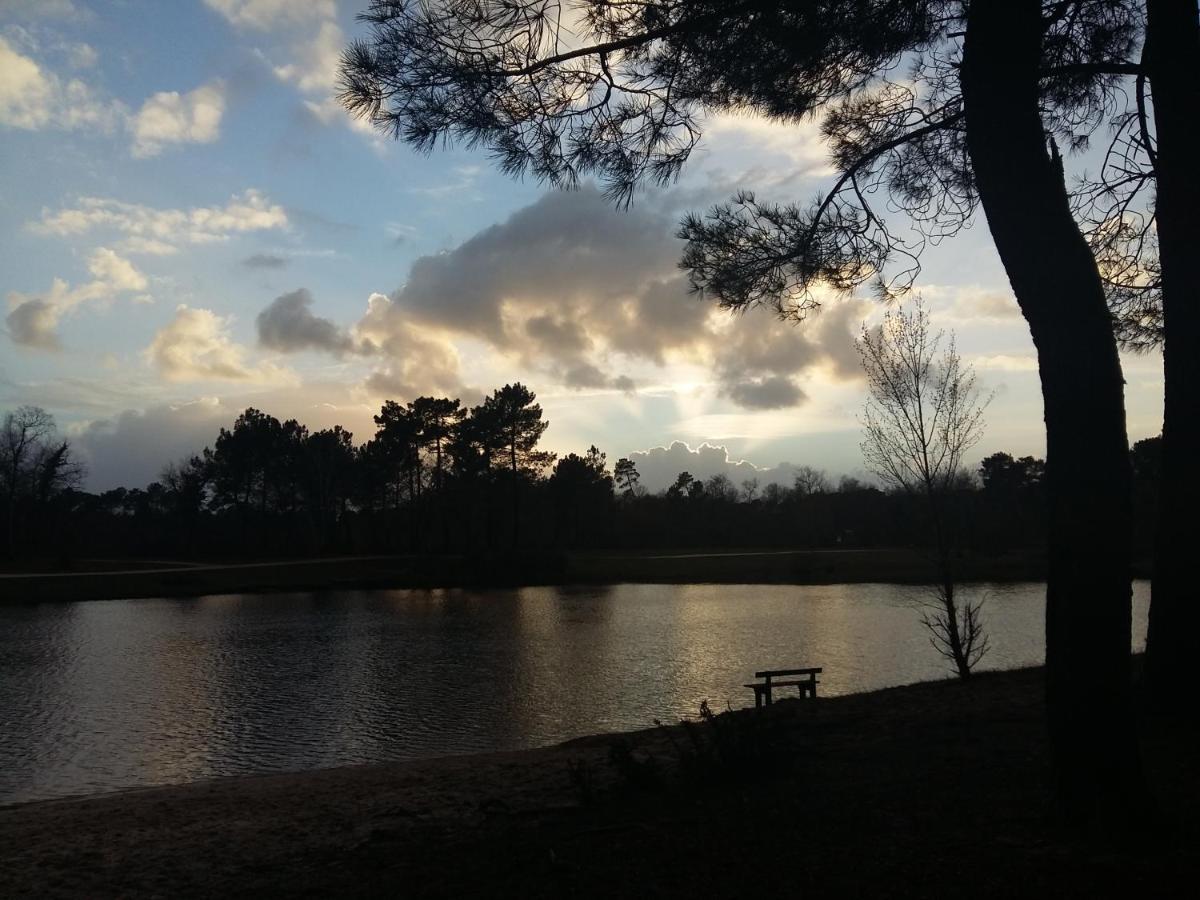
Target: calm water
[{"x": 109, "y": 695}]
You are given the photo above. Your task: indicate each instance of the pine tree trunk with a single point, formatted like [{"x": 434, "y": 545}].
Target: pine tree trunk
[
  {"x": 1174, "y": 38},
  {"x": 1052, "y": 272}
]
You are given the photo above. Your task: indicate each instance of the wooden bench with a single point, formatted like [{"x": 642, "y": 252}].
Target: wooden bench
[{"x": 806, "y": 685}]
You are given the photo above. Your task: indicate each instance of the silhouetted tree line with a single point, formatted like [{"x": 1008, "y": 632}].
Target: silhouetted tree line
[{"x": 440, "y": 478}]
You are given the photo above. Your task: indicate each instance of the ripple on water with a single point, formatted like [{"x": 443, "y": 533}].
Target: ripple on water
[{"x": 99, "y": 696}]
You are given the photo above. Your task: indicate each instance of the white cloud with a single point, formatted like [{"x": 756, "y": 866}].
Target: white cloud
[
  {"x": 196, "y": 346},
  {"x": 155, "y": 231},
  {"x": 574, "y": 290},
  {"x": 799, "y": 143},
  {"x": 1004, "y": 362},
  {"x": 658, "y": 467},
  {"x": 82, "y": 56},
  {"x": 306, "y": 53},
  {"x": 266, "y": 14},
  {"x": 419, "y": 360},
  {"x": 33, "y": 319},
  {"x": 315, "y": 69},
  {"x": 33, "y": 99},
  {"x": 173, "y": 118}
]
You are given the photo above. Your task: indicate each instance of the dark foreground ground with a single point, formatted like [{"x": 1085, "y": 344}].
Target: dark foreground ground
[
  {"x": 932, "y": 790},
  {"x": 50, "y": 580}
]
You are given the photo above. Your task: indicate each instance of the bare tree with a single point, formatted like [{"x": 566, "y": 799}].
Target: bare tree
[
  {"x": 750, "y": 489},
  {"x": 923, "y": 413},
  {"x": 35, "y": 464},
  {"x": 809, "y": 481}
]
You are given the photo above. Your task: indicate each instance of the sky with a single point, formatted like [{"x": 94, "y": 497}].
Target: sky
[{"x": 192, "y": 225}]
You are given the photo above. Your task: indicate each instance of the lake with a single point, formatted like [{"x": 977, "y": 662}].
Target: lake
[{"x": 107, "y": 695}]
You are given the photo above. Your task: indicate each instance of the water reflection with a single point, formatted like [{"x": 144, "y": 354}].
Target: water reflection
[{"x": 102, "y": 696}]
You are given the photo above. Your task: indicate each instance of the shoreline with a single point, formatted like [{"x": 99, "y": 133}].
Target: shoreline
[
  {"x": 902, "y": 791},
  {"x": 131, "y": 579}
]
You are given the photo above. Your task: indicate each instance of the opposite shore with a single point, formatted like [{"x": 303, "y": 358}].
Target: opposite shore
[{"x": 109, "y": 579}]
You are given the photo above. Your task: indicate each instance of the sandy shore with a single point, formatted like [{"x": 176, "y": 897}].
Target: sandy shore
[{"x": 936, "y": 789}]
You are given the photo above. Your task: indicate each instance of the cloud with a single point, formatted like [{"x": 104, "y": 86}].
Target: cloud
[
  {"x": 418, "y": 360},
  {"x": 966, "y": 303},
  {"x": 309, "y": 38},
  {"x": 265, "y": 261},
  {"x": 659, "y": 466},
  {"x": 150, "y": 230},
  {"x": 33, "y": 99},
  {"x": 267, "y": 14},
  {"x": 33, "y": 320},
  {"x": 82, "y": 56},
  {"x": 34, "y": 323},
  {"x": 46, "y": 9},
  {"x": 195, "y": 346},
  {"x": 576, "y": 290},
  {"x": 800, "y": 144},
  {"x": 288, "y": 325},
  {"x": 169, "y": 117},
  {"x": 774, "y": 392},
  {"x": 131, "y": 448},
  {"x": 1004, "y": 362}
]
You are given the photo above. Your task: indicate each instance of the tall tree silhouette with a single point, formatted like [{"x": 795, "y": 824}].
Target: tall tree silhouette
[
  {"x": 625, "y": 103},
  {"x": 626, "y": 475},
  {"x": 1172, "y": 45},
  {"x": 510, "y": 424}
]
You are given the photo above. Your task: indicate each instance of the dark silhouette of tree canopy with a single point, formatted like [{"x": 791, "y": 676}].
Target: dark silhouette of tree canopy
[{"x": 1002, "y": 474}]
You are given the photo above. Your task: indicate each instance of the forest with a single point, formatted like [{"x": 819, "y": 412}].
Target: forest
[{"x": 441, "y": 478}]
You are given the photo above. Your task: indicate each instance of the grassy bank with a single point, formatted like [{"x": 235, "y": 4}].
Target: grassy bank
[
  {"x": 106, "y": 579},
  {"x": 931, "y": 790}
]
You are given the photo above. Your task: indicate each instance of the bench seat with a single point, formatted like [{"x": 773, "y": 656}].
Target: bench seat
[{"x": 807, "y": 686}]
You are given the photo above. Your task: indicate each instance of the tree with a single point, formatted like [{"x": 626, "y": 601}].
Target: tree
[
  {"x": 436, "y": 418},
  {"x": 718, "y": 487},
  {"x": 582, "y": 489},
  {"x": 1001, "y": 474},
  {"x": 1054, "y": 276},
  {"x": 511, "y": 425},
  {"x": 328, "y": 479},
  {"x": 35, "y": 466},
  {"x": 1172, "y": 43},
  {"x": 750, "y": 489},
  {"x": 627, "y": 476},
  {"x": 993, "y": 87},
  {"x": 923, "y": 414},
  {"x": 187, "y": 483},
  {"x": 809, "y": 481},
  {"x": 682, "y": 485}
]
